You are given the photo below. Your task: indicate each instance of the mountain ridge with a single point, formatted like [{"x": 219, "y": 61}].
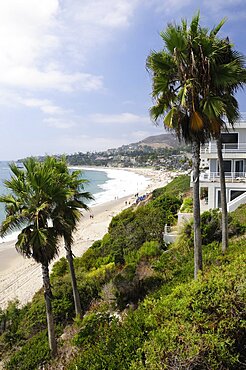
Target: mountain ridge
[{"x": 163, "y": 140}]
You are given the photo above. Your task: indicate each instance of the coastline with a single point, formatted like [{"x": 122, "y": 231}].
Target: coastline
[
  {"x": 20, "y": 278},
  {"x": 121, "y": 182}
]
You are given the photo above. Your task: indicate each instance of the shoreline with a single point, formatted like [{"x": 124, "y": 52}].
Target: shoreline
[{"x": 20, "y": 278}]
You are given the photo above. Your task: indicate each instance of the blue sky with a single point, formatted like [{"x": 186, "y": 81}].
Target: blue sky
[{"x": 72, "y": 72}]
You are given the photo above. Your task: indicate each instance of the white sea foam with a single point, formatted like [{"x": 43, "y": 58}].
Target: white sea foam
[{"x": 121, "y": 183}]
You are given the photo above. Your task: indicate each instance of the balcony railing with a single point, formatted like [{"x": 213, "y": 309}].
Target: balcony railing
[
  {"x": 229, "y": 176},
  {"x": 226, "y": 148}
]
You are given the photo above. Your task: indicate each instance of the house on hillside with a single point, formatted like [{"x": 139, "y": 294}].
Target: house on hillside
[{"x": 234, "y": 155}]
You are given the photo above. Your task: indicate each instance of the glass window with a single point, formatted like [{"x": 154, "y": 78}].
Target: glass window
[
  {"x": 227, "y": 167},
  {"x": 219, "y": 199},
  {"x": 236, "y": 193},
  {"x": 229, "y": 140}
]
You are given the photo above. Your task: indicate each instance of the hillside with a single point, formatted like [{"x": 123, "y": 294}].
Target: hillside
[
  {"x": 161, "y": 141},
  {"x": 143, "y": 310},
  {"x": 157, "y": 151}
]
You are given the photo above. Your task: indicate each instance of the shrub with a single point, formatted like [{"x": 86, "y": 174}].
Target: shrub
[
  {"x": 122, "y": 219},
  {"x": 63, "y": 304},
  {"x": 196, "y": 325},
  {"x": 116, "y": 343},
  {"x": 88, "y": 291},
  {"x": 210, "y": 229},
  {"x": 187, "y": 206},
  {"x": 60, "y": 268},
  {"x": 177, "y": 187},
  {"x": 199, "y": 325},
  {"x": 32, "y": 354},
  {"x": 239, "y": 215},
  {"x": 149, "y": 250},
  {"x": 169, "y": 206},
  {"x": 126, "y": 286}
]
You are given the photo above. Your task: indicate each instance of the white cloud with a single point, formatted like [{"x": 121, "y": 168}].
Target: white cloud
[
  {"x": 32, "y": 48},
  {"x": 60, "y": 123},
  {"x": 45, "y": 43},
  {"x": 25, "y": 29},
  {"x": 34, "y": 79},
  {"x": 106, "y": 13},
  {"x": 123, "y": 118},
  {"x": 88, "y": 26},
  {"x": 45, "y": 105}
]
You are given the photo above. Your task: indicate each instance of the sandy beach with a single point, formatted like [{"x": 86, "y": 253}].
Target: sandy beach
[{"x": 20, "y": 278}]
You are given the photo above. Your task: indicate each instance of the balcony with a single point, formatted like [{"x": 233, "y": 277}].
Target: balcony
[
  {"x": 226, "y": 148},
  {"x": 229, "y": 177}
]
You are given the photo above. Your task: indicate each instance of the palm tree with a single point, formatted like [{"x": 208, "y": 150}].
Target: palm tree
[
  {"x": 28, "y": 208},
  {"x": 176, "y": 91},
  {"x": 66, "y": 215},
  {"x": 227, "y": 74},
  {"x": 194, "y": 81}
]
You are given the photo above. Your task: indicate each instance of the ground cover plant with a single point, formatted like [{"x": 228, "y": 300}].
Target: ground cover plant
[{"x": 192, "y": 325}]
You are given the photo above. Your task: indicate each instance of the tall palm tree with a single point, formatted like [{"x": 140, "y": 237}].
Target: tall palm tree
[
  {"x": 67, "y": 214},
  {"x": 176, "y": 91},
  {"x": 194, "y": 81},
  {"x": 225, "y": 73},
  {"x": 28, "y": 208}
]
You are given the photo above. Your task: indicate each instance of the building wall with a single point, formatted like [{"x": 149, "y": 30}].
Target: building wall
[
  {"x": 215, "y": 187},
  {"x": 211, "y": 197},
  {"x": 241, "y": 135}
]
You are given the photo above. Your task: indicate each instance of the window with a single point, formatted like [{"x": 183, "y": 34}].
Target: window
[
  {"x": 229, "y": 140},
  {"x": 235, "y": 193},
  {"x": 239, "y": 168},
  {"x": 227, "y": 167},
  {"x": 219, "y": 199}
]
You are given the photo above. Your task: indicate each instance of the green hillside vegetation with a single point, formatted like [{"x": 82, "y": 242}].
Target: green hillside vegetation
[{"x": 142, "y": 308}]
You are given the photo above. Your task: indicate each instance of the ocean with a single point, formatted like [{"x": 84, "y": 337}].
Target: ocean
[
  {"x": 95, "y": 181},
  {"x": 104, "y": 184}
]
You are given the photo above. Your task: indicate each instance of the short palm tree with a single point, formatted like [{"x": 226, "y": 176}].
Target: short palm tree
[
  {"x": 67, "y": 213},
  {"x": 28, "y": 208}
]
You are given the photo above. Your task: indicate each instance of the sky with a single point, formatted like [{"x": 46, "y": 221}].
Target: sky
[{"x": 72, "y": 72}]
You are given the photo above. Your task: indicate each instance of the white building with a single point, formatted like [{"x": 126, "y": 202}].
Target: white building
[{"x": 234, "y": 155}]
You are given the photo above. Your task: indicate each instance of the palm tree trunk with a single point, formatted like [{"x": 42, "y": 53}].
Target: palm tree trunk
[
  {"x": 196, "y": 209},
  {"x": 49, "y": 314},
  {"x": 224, "y": 220},
  {"x": 77, "y": 304}
]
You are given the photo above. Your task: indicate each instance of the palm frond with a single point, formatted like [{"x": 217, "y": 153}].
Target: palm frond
[
  {"x": 168, "y": 119},
  {"x": 217, "y": 28},
  {"x": 196, "y": 122},
  {"x": 194, "y": 26}
]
